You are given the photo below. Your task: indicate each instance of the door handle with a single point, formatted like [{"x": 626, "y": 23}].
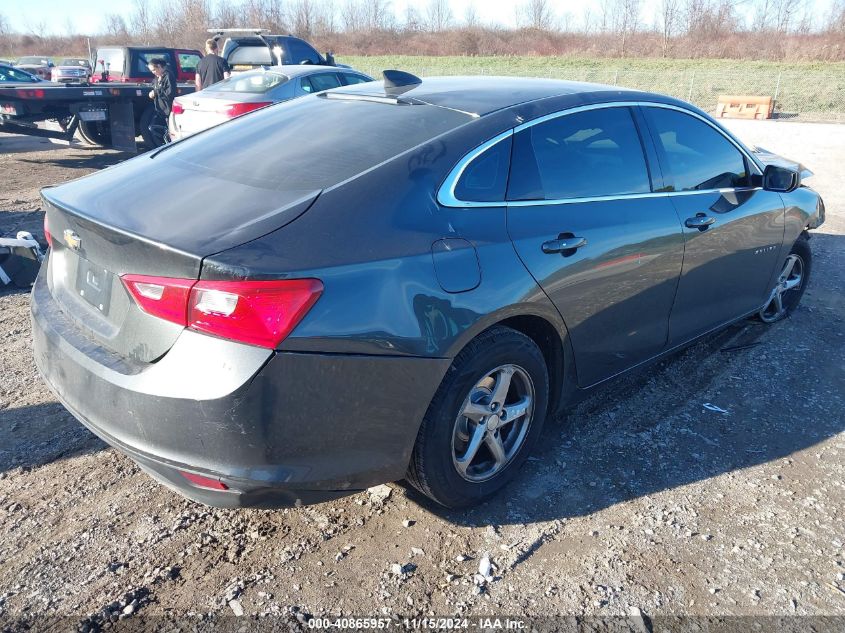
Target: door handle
[
  {"x": 701, "y": 221},
  {"x": 562, "y": 245}
]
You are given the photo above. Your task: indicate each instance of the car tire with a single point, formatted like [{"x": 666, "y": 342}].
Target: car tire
[
  {"x": 790, "y": 284},
  {"x": 443, "y": 465}
]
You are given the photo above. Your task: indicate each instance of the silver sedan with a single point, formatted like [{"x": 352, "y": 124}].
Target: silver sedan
[{"x": 251, "y": 90}]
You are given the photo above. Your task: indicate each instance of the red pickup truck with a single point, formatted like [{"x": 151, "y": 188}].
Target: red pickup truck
[{"x": 128, "y": 64}]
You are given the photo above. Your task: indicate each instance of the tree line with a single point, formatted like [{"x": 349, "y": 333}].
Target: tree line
[{"x": 788, "y": 30}]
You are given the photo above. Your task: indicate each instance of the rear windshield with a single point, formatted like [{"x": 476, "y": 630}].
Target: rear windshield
[
  {"x": 312, "y": 142},
  {"x": 251, "y": 56},
  {"x": 257, "y": 83}
]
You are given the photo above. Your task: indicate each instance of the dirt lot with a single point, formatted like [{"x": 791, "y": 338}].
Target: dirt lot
[{"x": 641, "y": 497}]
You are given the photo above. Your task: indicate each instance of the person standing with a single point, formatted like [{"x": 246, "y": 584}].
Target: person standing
[
  {"x": 212, "y": 68},
  {"x": 162, "y": 94}
]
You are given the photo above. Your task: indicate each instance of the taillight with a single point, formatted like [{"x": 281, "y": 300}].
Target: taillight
[
  {"x": 237, "y": 109},
  {"x": 37, "y": 93},
  {"x": 177, "y": 108},
  {"x": 260, "y": 313},
  {"x": 164, "y": 297},
  {"x": 47, "y": 235}
]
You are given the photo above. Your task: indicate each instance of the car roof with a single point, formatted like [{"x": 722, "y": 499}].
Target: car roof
[{"x": 483, "y": 95}]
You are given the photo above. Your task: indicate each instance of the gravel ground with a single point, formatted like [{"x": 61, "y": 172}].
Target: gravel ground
[{"x": 641, "y": 497}]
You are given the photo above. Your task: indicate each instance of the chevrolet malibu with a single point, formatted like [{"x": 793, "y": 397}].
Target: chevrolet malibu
[{"x": 401, "y": 279}]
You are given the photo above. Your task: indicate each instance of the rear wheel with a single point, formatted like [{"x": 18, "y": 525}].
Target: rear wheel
[
  {"x": 483, "y": 421},
  {"x": 96, "y": 133},
  {"x": 790, "y": 284}
]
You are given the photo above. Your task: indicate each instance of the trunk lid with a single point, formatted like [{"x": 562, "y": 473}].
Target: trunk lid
[
  {"x": 201, "y": 113},
  {"x": 131, "y": 219}
]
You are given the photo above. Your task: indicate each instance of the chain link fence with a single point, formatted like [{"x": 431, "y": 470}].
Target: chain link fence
[{"x": 804, "y": 95}]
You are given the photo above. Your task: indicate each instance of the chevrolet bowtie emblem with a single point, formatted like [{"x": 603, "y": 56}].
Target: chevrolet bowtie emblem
[{"x": 72, "y": 239}]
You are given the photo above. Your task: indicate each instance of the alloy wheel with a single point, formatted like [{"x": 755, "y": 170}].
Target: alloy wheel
[
  {"x": 493, "y": 423},
  {"x": 787, "y": 290}
]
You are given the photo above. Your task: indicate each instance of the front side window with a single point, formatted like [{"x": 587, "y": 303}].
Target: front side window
[
  {"x": 486, "y": 177},
  {"x": 696, "y": 155},
  {"x": 581, "y": 155},
  {"x": 188, "y": 62}
]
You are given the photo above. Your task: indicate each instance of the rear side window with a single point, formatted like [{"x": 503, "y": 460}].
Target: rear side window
[
  {"x": 580, "y": 155},
  {"x": 300, "y": 51},
  {"x": 350, "y": 79},
  {"x": 320, "y": 82},
  {"x": 141, "y": 62},
  {"x": 486, "y": 177},
  {"x": 696, "y": 155}
]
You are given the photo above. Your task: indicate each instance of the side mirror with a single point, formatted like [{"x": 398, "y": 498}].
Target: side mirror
[
  {"x": 782, "y": 179},
  {"x": 330, "y": 59}
]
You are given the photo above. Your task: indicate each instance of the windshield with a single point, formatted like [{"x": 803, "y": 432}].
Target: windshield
[
  {"x": 310, "y": 143},
  {"x": 14, "y": 74},
  {"x": 253, "y": 83},
  {"x": 33, "y": 61},
  {"x": 73, "y": 61}
]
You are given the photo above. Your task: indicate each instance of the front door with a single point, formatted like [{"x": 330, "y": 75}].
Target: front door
[
  {"x": 606, "y": 249},
  {"x": 732, "y": 230}
]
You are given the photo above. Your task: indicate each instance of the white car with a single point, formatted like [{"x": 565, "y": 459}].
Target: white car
[{"x": 251, "y": 90}]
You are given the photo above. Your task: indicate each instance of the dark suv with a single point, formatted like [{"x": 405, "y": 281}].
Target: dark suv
[{"x": 244, "y": 52}]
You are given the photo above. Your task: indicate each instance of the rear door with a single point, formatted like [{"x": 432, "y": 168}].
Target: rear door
[
  {"x": 733, "y": 229},
  {"x": 585, "y": 219}
]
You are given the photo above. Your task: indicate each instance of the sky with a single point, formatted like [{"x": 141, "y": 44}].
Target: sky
[{"x": 87, "y": 15}]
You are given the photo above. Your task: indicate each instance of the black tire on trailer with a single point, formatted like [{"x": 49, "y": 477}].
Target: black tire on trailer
[{"x": 95, "y": 133}]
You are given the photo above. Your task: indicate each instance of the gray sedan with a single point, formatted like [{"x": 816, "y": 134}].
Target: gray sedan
[
  {"x": 251, "y": 90},
  {"x": 403, "y": 280}
]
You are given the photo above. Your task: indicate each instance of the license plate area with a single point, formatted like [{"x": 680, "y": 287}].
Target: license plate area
[
  {"x": 92, "y": 115},
  {"x": 93, "y": 283}
]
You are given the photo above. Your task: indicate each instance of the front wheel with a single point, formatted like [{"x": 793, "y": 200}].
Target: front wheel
[
  {"x": 790, "y": 284},
  {"x": 483, "y": 421}
]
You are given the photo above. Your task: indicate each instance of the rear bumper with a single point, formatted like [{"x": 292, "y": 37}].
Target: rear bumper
[{"x": 278, "y": 429}]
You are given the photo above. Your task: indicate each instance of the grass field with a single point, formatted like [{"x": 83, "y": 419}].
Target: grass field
[{"x": 808, "y": 91}]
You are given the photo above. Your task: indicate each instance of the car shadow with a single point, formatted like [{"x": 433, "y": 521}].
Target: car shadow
[
  {"x": 749, "y": 395},
  {"x": 99, "y": 158},
  {"x": 36, "y": 435}
]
